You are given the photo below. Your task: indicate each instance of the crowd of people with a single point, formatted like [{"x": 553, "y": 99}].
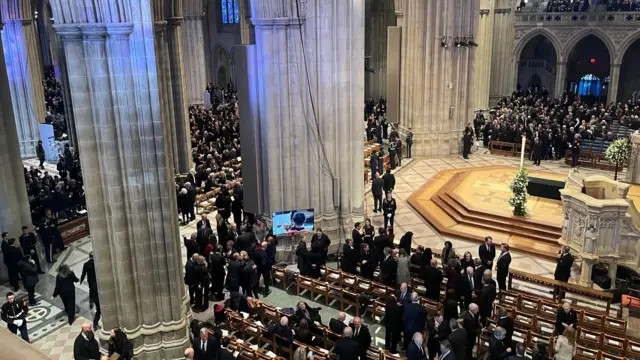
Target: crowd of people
[
  {"x": 580, "y": 5},
  {"x": 567, "y": 5},
  {"x": 54, "y": 103},
  {"x": 552, "y": 126}
]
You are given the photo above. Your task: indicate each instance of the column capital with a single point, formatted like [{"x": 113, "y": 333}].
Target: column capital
[
  {"x": 175, "y": 21},
  {"x": 265, "y": 23},
  {"x": 120, "y": 30},
  {"x": 93, "y": 32},
  {"x": 68, "y": 32},
  {"x": 159, "y": 26}
]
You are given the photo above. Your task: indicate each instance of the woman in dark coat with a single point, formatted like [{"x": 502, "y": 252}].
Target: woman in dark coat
[
  {"x": 301, "y": 257},
  {"x": 349, "y": 258},
  {"x": 450, "y": 305},
  {"x": 119, "y": 344},
  {"x": 40, "y": 153},
  {"x": 369, "y": 232},
  {"x": 405, "y": 242},
  {"x": 67, "y": 290},
  {"x": 217, "y": 272},
  {"x": 202, "y": 276},
  {"x": 303, "y": 334}
]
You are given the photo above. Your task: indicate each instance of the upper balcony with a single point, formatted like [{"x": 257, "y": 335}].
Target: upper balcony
[{"x": 534, "y": 14}]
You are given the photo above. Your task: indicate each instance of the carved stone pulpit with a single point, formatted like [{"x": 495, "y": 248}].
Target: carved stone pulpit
[
  {"x": 633, "y": 170},
  {"x": 600, "y": 224}
]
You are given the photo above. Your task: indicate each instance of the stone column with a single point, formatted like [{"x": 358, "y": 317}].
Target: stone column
[
  {"x": 614, "y": 81},
  {"x": 247, "y": 33},
  {"x": 128, "y": 178},
  {"x": 585, "y": 273},
  {"x": 14, "y": 209},
  {"x": 502, "y": 80},
  {"x": 307, "y": 159},
  {"x": 193, "y": 47},
  {"x": 380, "y": 15},
  {"x": 45, "y": 32},
  {"x": 437, "y": 82},
  {"x": 484, "y": 38},
  {"x": 561, "y": 78},
  {"x": 613, "y": 272},
  {"x": 66, "y": 93},
  {"x": 633, "y": 170},
  {"x": 25, "y": 72}
]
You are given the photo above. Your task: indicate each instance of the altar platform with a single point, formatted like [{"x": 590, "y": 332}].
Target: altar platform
[{"x": 472, "y": 203}]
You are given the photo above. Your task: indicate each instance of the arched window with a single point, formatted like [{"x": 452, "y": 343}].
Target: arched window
[
  {"x": 230, "y": 12},
  {"x": 589, "y": 85}
]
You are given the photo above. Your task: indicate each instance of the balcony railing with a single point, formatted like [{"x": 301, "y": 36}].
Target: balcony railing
[
  {"x": 616, "y": 18},
  {"x": 537, "y": 63}
]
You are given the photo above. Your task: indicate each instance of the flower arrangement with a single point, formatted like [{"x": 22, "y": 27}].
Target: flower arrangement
[
  {"x": 618, "y": 153},
  {"x": 519, "y": 193}
]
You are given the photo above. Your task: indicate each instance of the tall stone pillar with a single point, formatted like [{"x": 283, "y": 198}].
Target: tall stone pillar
[
  {"x": 585, "y": 273},
  {"x": 311, "y": 149},
  {"x": 484, "y": 53},
  {"x": 614, "y": 83},
  {"x": 561, "y": 78},
  {"x": 633, "y": 169},
  {"x": 14, "y": 204},
  {"x": 25, "y": 72},
  {"x": 193, "y": 47},
  {"x": 380, "y": 15},
  {"x": 247, "y": 33},
  {"x": 47, "y": 45},
  {"x": 502, "y": 80},
  {"x": 437, "y": 82},
  {"x": 127, "y": 169},
  {"x": 66, "y": 93}
]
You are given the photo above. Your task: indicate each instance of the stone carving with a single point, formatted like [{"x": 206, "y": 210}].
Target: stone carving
[
  {"x": 565, "y": 223},
  {"x": 520, "y": 33},
  {"x": 620, "y": 35},
  {"x": 590, "y": 238},
  {"x": 563, "y": 35}
]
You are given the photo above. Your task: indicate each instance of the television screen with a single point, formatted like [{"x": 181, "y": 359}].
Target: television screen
[{"x": 293, "y": 221}]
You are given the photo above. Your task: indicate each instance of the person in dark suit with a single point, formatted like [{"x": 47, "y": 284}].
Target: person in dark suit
[
  {"x": 270, "y": 260},
  {"x": 362, "y": 336},
  {"x": 320, "y": 244},
  {"x": 357, "y": 235},
  {"x": 403, "y": 296},
  {"x": 389, "y": 268},
  {"x": 502, "y": 266},
  {"x": 206, "y": 347},
  {"x": 86, "y": 347},
  {"x": 285, "y": 335},
  {"x": 29, "y": 273},
  {"x": 234, "y": 273},
  {"x": 537, "y": 154},
  {"x": 564, "y": 262},
  {"x": 338, "y": 325},
  {"x": 565, "y": 318},
  {"x": 192, "y": 245},
  {"x": 259, "y": 257},
  {"x": 367, "y": 262},
  {"x": 497, "y": 349},
  {"x": 347, "y": 347},
  {"x": 11, "y": 254},
  {"x": 487, "y": 252},
  {"x": 505, "y": 322},
  {"x": 349, "y": 257},
  {"x": 414, "y": 318},
  {"x": 457, "y": 339},
  {"x": 575, "y": 153},
  {"x": 450, "y": 305},
  {"x": 28, "y": 243},
  {"x": 201, "y": 275},
  {"x": 377, "y": 190},
  {"x": 415, "y": 350},
  {"x": 247, "y": 241},
  {"x": 380, "y": 242},
  {"x": 249, "y": 277},
  {"x": 405, "y": 242},
  {"x": 466, "y": 286},
  {"x": 302, "y": 333},
  {"x": 519, "y": 355},
  {"x": 433, "y": 341},
  {"x": 445, "y": 350},
  {"x": 487, "y": 296},
  {"x": 471, "y": 326},
  {"x": 389, "y": 181},
  {"x": 392, "y": 325},
  {"x": 66, "y": 288},
  {"x": 225, "y": 353},
  {"x": 432, "y": 280},
  {"x": 217, "y": 272},
  {"x": 467, "y": 139}
]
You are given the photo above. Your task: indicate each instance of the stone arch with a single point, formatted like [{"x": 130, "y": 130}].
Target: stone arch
[
  {"x": 608, "y": 42},
  {"x": 557, "y": 44},
  {"x": 220, "y": 58},
  {"x": 625, "y": 45}
]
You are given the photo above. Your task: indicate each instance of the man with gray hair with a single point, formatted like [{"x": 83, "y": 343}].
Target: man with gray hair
[
  {"x": 347, "y": 347},
  {"x": 497, "y": 348},
  {"x": 487, "y": 297},
  {"x": 458, "y": 339},
  {"x": 519, "y": 355},
  {"x": 445, "y": 351},
  {"x": 414, "y": 319},
  {"x": 285, "y": 335},
  {"x": 472, "y": 328},
  {"x": 415, "y": 350}
]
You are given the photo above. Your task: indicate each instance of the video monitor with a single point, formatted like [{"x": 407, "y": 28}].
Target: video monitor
[{"x": 292, "y": 222}]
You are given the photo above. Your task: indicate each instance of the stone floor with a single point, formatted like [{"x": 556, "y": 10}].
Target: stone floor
[{"x": 47, "y": 322}]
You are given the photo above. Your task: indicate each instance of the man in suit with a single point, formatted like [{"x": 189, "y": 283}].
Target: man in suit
[
  {"x": 225, "y": 353},
  {"x": 414, "y": 319},
  {"x": 362, "y": 336},
  {"x": 347, "y": 348},
  {"x": 247, "y": 241},
  {"x": 283, "y": 331},
  {"x": 487, "y": 297},
  {"x": 203, "y": 220},
  {"x": 457, "y": 339},
  {"x": 380, "y": 242},
  {"x": 564, "y": 262},
  {"x": 376, "y": 190},
  {"x": 487, "y": 252},
  {"x": 367, "y": 262},
  {"x": 389, "y": 181},
  {"x": 338, "y": 325},
  {"x": 89, "y": 270},
  {"x": 502, "y": 266},
  {"x": 203, "y": 232},
  {"x": 478, "y": 271},
  {"x": 497, "y": 348},
  {"x": 389, "y": 268},
  {"x": 270, "y": 260},
  {"x": 471, "y": 326},
  {"x": 206, "y": 347},
  {"x": 466, "y": 285},
  {"x": 519, "y": 353},
  {"x": 445, "y": 350},
  {"x": 403, "y": 296},
  {"x": 566, "y": 317},
  {"x": 320, "y": 244},
  {"x": 86, "y": 347},
  {"x": 432, "y": 279},
  {"x": 415, "y": 350},
  {"x": 28, "y": 243},
  {"x": 506, "y": 323},
  {"x": 350, "y": 257}
]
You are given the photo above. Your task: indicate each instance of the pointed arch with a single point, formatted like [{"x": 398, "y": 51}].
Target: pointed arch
[
  {"x": 626, "y": 44},
  {"x": 573, "y": 41},
  {"x": 557, "y": 45}
]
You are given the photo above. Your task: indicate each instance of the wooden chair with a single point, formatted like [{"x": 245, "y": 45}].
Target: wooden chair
[
  {"x": 252, "y": 330},
  {"x": 234, "y": 321},
  {"x": 245, "y": 352},
  {"x": 379, "y": 309},
  {"x": 586, "y": 353},
  {"x": 321, "y": 288},
  {"x": 483, "y": 344},
  {"x": 523, "y": 320},
  {"x": 615, "y": 326},
  {"x": 632, "y": 349},
  {"x": 374, "y": 353},
  {"x": 332, "y": 276},
  {"x": 592, "y": 320},
  {"x": 418, "y": 286},
  {"x": 338, "y": 294},
  {"x": 381, "y": 291},
  {"x": 528, "y": 304},
  {"x": 279, "y": 276},
  {"x": 590, "y": 338},
  {"x": 330, "y": 339},
  {"x": 508, "y": 298},
  {"x": 431, "y": 306},
  {"x": 364, "y": 285},
  {"x": 269, "y": 314},
  {"x": 349, "y": 281},
  {"x": 543, "y": 326},
  {"x": 607, "y": 356},
  {"x": 305, "y": 283},
  {"x": 548, "y": 309},
  {"x": 613, "y": 344},
  {"x": 287, "y": 350},
  {"x": 520, "y": 336}
]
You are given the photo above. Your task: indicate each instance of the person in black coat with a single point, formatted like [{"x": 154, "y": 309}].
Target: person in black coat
[
  {"x": 347, "y": 347},
  {"x": 487, "y": 252},
  {"x": 40, "y": 153},
  {"x": 285, "y": 335},
  {"x": 247, "y": 241},
  {"x": 362, "y": 336},
  {"x": 320, "y": 244},
  {"x": 389, "y": 181},
  {"x": 471, "y": 325},
  {"x": 28, "y": 243},
  {"x": 377, "y": 190},
  {"x": 217, "y": 272},
  {"x": 538, "y": 152},
  {"x": 414, "y": 318},
  {"x": 249, "y": 276},
  {"x": 369, "y": 233},
  {"x": 497, "y": 349},
  {"x": 357, "y": 235},
  {"x": 89, "y": 271},
  {"x": 302, "y": 333},
  {"x": 234, "y": 273},
  {"x": 65, "y": 287},
  {"x": 405, "y": 242},
  {"x": 86, "y": 347},
  {"x": 29, "y": 273},
  {"x": 301, "y": 257},
  {"x": 432, "y": 280},
  {"x": 466, "y": 286},
  {"x": 505, "y": 322},
  {"x": 381, "y": 242},
  {"x": 367, "y": 262},
  {"x": 450, "y": 305},
  {"x": 389, "y": 268},
  {"x": 565, "y": 318},
  {"x": 269, "y": 261},
  {"x": 478, "y": 272},
  {"x": 466, "y": 144},
  {"x": 190, "y": 277},
  {"x": 487, "y": 297},
  {"x": 338, "y": 325},
  {"x": 392, "y": 324},
  {"x": 203, "y": 233},
  {"x": 415, "y": 349},
  {"x": 575, "y": 152},
  {"x": 120, "y": 344},
  {"x": 259, "y": 257},
  {"x": 11, "y": 255},
  {"x": 389, "y": 207},
  {"x": 502, "y": 267},
  {"x": 433, "y": 341},
  {"x": 564, "y": 262},
  {"x": 237, "y": 204},
  {"x": 206, "y": 347},
  {"x": 191, "y": 244},
  {"x": 458, "y": 339},
  {"x": 201, "y": 274},
  {"x": 349, "y": 257}
]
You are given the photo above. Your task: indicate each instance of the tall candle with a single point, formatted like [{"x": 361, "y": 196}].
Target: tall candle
[{"x": 524, "y": 140}]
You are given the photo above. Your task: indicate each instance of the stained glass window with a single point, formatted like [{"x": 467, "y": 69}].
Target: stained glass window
[
  {"x": 589, "y": 85},
  {"x": 230, "y": 12}
]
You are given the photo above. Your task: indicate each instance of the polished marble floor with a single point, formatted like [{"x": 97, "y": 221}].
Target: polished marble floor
[{"x": 50, "y": 332}]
